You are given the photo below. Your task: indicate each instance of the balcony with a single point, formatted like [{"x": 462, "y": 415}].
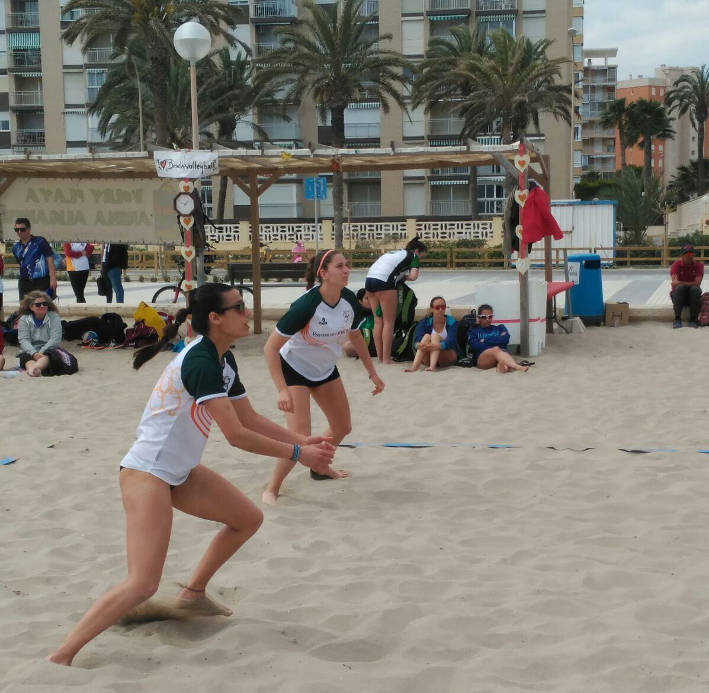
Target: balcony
[
  {"x": 97, "y": 56},
  {"x": 457, "y": 171},
  {"x": 359, "y": 210},
  {"x": 28, "y": 138},
  {"x": 462, "y": 6},
  {"x": 280, "y": 131},
  {"x": 273, "y": 10},
  {"x": 31, "y": 59},
  {"x": 25, "y": 98},
  {"x": 445, "y": 126},
  {"x": 262, "y": 49},
  {"x": 369, "y": 7},
  {"x": 450, "y": 208},
  {"x": 363, "y": 174},
  {"x": 23, "y": 20},
  {"x": 497, "y": 5},
  {"x": 362, "y": 131}
]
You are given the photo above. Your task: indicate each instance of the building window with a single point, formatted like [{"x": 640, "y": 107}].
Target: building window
[
  {"x": 205, "y": 195},
  {"x": 577, "y": 24},
  {"x": 577, "y": 133},
  {"x": 659, "y": 163},
  {"x": 94, "y": 82},
  {"x": 577, "y": 159},
  {"x": 578, "y": 52},
  {"x": 660, "y": 146},
  {"x": 654, "y": 91}
]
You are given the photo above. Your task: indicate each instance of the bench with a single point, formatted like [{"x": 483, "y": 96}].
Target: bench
[{"x": 239, "y": 271}]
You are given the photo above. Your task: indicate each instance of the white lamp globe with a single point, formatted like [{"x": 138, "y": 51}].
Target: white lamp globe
[{"x": 192, "y": 41}]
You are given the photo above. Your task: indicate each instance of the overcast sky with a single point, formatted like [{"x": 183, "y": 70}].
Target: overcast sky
[{"x": 648, "y": 33}]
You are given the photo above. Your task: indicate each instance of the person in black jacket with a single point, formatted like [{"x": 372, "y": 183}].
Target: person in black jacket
[{"x": 113, "y": 262}]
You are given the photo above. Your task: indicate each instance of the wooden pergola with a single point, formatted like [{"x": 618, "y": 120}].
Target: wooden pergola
[{"x": 254, "y": 171}]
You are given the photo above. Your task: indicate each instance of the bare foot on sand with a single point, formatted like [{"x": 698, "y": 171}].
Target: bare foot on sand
[
  {"x": 430, "y": 370},
  {"x": 269, "y": 497},
  {"x": 56, "y": 658},
  {"x": 199, "y": 604},
  {"x": 410, "y": 370},
  {"x": 34, "y": 372}
]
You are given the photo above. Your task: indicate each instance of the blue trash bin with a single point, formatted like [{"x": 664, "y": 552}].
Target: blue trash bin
[{"x": 585, "y": 298}]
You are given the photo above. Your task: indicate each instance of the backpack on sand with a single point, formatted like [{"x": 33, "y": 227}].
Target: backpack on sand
[{"x": 703, "y": 318}]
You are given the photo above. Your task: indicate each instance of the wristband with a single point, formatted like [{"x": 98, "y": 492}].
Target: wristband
[{"x": 296, "y": 452}]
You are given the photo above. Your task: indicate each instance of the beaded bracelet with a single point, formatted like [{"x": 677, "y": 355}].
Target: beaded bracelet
[{"x": 296, "y": 452}]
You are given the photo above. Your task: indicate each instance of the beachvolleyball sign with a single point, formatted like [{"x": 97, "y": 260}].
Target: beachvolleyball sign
[{"x": 186, "y": 164}]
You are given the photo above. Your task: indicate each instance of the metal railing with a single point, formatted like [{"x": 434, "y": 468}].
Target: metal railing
[
  {"x": 31, "y": 58},
  {"x": 23, "y": 20},
  {"x": 362, "y": 130},
  {"x": 273, "y": 8},
  {"x": 448, "y": 5},
  {"x": 29, "y": 137},
  {"x": 496, "y": 5},
  {"x": 450, "y": 208},
  {"x": 262, "y": 48},
  {"x": 445, "y": 126},
  {"x": 26, "y": 98},
  {"x": 369, "y": 7},
  {"x": 365, "y": 209},
  {"x": 456, "y": 171},
  {"x": 97, "y": 55}
]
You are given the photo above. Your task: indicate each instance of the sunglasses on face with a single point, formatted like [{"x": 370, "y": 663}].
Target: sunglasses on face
[
  {"x": 41, "y": 304},
  {"x": 239, "y": 306},
  {"x": 20, "y": 229},
  {"x": 439, "y": 307}
]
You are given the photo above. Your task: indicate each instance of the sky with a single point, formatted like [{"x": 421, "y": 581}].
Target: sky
[{"x": 648, "y": 33}]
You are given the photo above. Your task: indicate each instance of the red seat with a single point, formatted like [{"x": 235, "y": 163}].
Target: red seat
[{"x": 554, "y": 288}]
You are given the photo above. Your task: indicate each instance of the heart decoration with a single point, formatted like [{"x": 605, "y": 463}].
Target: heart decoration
[
  {"x": 188, "y": 286},
  {"x": 187, "y": 252},
  {"x": 186, "y": 186},
  {"x": 521, "y": 162},
  {"x": 522, "y": 264},
  {"x": 521, "y": 196},
  {"x": 187, "y": 221},
  {"x": 162, "y": 163},
  {"x": 518, "y": 231}
]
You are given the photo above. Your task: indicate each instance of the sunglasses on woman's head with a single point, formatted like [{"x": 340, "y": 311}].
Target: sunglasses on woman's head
[
  {"x": 486, "y": 317},
  {"x": 239, "y": 306}
]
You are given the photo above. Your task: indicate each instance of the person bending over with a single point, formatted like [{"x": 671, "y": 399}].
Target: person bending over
[
  {"x": 488, "y": 344},
  {"x": 162, "y": 470},
  {"x": 435, "y": 338},
  {"x": 302, "y": 354}
]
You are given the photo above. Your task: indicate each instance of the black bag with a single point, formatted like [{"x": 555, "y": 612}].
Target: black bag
[
  {"x": 102, "y": 285},
  {"x": 402, "y": 345},
  {"x": 464, "y": 324},
  {"x": 74, "y": 329},
  {"x": 113, "y": 329},
  {"x": 61, "y": 362}
]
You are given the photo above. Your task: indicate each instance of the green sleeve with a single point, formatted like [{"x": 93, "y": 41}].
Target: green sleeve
[
  {"x": 299, "y": 313},
  {"x": 202, "y": 377},
  {"x": 415, "y": 262}
]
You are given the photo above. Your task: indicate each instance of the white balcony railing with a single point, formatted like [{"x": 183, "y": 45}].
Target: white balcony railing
[
  {"x": 456, "y": 171},
  {"x": 369, "y": 7},
  {"x": 262, "y": 9},
  {"x": 446, "y": 126},
  {"x": 280, "y": 131},
  {"x": 264, "y": 48},
  {"x": 448, "y": 4},
  {"x": 357, "y": 131},
  {"x": 23, "y": 20},
  {"x": 26, "y": 98},
  {"x": 97, "y": 55},
  {"x": 365, "y": 209},
  {"x": 31, "y": 58},
  {"x": 29, "y": 137},
  {"x": 450, "y": 208},
  {"x": 496, "y": 5}
]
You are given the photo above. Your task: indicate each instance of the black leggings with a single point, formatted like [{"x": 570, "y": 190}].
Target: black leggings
[{"x": 78, "y": 279}]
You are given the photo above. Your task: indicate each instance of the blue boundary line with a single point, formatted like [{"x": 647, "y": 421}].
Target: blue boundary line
[{"x": 503, "y": 446}]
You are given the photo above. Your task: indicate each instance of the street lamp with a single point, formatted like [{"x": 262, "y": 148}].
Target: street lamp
[
  {"x": 572, "y": 33},
  {"x": 192, "y": 42}
]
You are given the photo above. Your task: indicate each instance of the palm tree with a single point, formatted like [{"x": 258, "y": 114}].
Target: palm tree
[
  {"x": 638, "y": 203},
  {"x": 690, "y": 94},
  {"x": 329, "y": 57},
  {"x": 684, "y": 184},
  {"x": 514, "y": 81},
  {"x": 645, "y": 120},
  {"x": 441, "y": 80},
  {"x": 614, "y": 116},
  {"x": 152, "y": 24}
]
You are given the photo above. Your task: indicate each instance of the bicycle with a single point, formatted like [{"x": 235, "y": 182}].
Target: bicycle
[{"x": 174, "y": 293}]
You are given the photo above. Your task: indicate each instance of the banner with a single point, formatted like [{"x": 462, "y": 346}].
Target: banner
[{"x": 186, "y": 164}]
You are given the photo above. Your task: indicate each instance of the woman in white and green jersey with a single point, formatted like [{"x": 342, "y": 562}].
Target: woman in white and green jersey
[
  {"x": 162, "y": 469},
  {"x": 380, "y": 284},
  {"x": 302, "y": 354}
]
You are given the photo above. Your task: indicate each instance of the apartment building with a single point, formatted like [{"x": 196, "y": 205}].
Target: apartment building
[
  {"x": 667, "y": 155},
  {"x": 600, "y": 79},
  {"x": 46, "y": 87}
]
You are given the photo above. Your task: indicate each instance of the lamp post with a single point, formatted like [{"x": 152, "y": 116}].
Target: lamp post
[
  {"x": 572, "y": 33},
  {"x": 192, "y": 42}
]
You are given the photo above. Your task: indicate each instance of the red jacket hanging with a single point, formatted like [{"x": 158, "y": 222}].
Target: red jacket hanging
[{"x": 536, "y": 218}]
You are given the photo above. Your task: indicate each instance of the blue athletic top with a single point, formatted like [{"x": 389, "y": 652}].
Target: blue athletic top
[
  {"x": 481, "y": 338},
  {"x": 32, "y": 257}
]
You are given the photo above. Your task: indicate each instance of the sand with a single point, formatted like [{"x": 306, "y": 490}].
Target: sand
[{"x": 542, "y": 567}]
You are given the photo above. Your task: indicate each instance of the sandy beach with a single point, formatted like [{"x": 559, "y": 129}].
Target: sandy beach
[{"x": 560, "y": 564}]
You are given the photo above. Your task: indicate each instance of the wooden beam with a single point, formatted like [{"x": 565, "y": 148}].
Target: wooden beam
[
  {"x": 255, "y": 249},
  {"x": 267, "y": 184},
  {"x": 6, "y": 183},
  {"x": 506, "y": 164}
]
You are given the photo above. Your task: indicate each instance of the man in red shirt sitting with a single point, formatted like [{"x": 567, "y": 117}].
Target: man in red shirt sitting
[{"x": 687, "y": 274}]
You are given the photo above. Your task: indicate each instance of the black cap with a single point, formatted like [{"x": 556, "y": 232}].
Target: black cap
[{"x": 686, "y": 248}]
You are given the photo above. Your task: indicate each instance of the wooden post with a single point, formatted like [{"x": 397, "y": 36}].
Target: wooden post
[
  {"x": 523, "y": 276},
  {"x": 255, "y": 254},
  {"x": 548, "y": 278}
]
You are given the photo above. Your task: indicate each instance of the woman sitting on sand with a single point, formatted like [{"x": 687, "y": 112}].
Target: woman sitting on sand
[
  {"x": 488, "y": 343},
  {"x": 162, "y": 470},
  {"x": 435, "y": 338},
  {"x": 38, "y": 331},
  {"x": 302, "y": 354}
]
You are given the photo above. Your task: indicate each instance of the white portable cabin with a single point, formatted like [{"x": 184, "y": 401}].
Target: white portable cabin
[{"x": 587, "y": 226}]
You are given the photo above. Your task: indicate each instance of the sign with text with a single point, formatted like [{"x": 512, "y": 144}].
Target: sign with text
[
  {"x": 186, "y": 164},
  {"x": 316, "y": 187}
]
